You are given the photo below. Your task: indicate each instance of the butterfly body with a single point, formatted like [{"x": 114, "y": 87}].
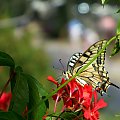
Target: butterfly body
[{"x": 95, "y": 74}]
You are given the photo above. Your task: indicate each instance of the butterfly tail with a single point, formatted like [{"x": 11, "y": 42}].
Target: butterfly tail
[{"x": 112, "y": 84}]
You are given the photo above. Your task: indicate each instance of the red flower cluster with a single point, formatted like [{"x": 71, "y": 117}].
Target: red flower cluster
[
  {"x": 76, "y": 97},
  {"x": 5, "y": 101}
]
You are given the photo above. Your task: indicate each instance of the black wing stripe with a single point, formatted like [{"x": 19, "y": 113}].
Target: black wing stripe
[{"x": 72, "y": 61}]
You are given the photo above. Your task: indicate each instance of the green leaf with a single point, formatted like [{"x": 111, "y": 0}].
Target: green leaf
[
  {"x": 36, "y": 94},
  {"x": 118, "y": 29},
  {"x": 70, "y": 115},
  {"x": 48, "y": 118},
  {"x": 6, "y": 60},
  {"x": 116, "y": 48},
  {"x": 20, "y": 94},
  {"x": 10, "y": 116},
  {"x": 118, "y": 11},
  {"x": 13, "y": 80}
]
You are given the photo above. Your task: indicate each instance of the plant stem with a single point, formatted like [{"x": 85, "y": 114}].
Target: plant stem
[
  {"x": 83, "y": 68},
  {"x": 7, "y": 83}
]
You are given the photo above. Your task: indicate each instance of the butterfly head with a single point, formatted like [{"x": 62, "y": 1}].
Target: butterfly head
[{"x": 66, "y": 74}]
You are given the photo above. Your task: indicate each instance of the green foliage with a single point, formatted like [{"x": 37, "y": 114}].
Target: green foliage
[
  {"x": 116, "y": 48},
  {"x": 49, "y": 118},
  {"x": 36, "y": 94},
  {"x": 35, "y": 61},
  {"x": 69, "y": 115},
  {"x": 10, "y": 116},
  {"x": 66, "y": 115},
  {"x": 118, "y": 29},
  {"x": 6, "y": 60},
  {"x": 26, "y": 92},
  {"x": 20, "y": 93},
  {"x": 118, "y": 11},
  {"x": 12, "y": 8}
]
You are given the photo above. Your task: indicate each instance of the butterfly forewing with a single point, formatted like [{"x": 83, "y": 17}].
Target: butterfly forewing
[
  {"x": 72, "y": 61},
  {"x": 90, "y": 53},
  {"x": 91, "y": 76}
]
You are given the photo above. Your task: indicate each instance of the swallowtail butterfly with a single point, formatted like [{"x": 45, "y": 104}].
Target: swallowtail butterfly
[{"x": 95, "y": 74}]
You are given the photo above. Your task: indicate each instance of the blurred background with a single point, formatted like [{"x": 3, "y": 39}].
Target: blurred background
[{"x": 37, "y": 33}]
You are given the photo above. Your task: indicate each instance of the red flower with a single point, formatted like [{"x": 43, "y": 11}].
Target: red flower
[
  {"x": 75, "y": 97},
  {"x": 87, "y": 95},
  {"x": 92, "y": 112},
  {"x": 69, "y": 93},
  {"x": 5, "y": 101},
  {"x": 57, "y": 96},
  {"x": 50, "y": 78}
]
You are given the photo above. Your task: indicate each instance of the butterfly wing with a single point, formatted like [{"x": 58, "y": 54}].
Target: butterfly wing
[
  {"x": 95, "y": 74},
  {"x": 90, "y": 53},
  {"x": 72, "y": 61}
]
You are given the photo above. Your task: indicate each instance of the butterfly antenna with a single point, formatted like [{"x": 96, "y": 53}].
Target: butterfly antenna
[
  {"x": 57, "y": 68},
  {"x": 62, "y": 65}
]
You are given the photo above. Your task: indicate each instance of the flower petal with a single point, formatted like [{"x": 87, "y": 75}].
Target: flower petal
[
  {"x": 51, "y": 79},
  {"x": 87, "y": 114},
  {"x": 72, "y": 86},
  {"x": 5, "y": 101},
  {"x": 100, "y": 104},
  {"x": 95, "y": 97}
]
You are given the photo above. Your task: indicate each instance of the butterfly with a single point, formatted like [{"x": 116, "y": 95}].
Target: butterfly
[{"x": 95, "y": 74}]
